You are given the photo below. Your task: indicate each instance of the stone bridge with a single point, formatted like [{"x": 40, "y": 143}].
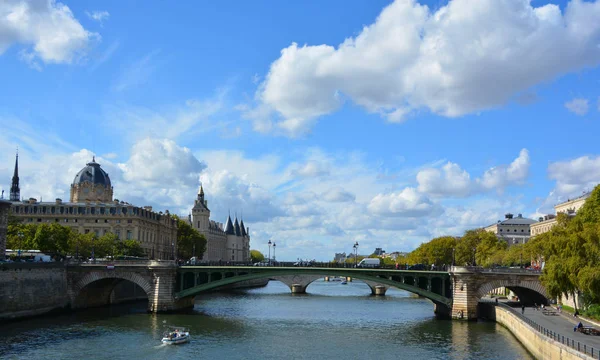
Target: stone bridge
[{"x": 454, "y": 293}]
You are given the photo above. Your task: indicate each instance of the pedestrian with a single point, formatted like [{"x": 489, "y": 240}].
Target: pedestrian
[{"x": 523, "y": 309}]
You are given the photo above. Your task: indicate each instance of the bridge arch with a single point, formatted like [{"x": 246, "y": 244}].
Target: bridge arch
[
  {"x": 95, "y": 288},
  {"x": 529, "y": 291}
]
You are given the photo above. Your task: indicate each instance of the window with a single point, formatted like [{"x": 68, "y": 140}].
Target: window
[
  {"x": 129, "y": 221},
  {"x": 118, "y": 232},
  {"x": 96, "y": 221},
  {"x": 39, "y": 220},
  {"x": 105, "y": 221},
  {"x": 97, "y": 232},
  {"x": 86, "y": 231},
  {"x": 66, "y": 220},
  {"x": 129, "y": 235},
  {"x": 522, "y": 230},
  {"x": 232, "y": 257},
  {"x": 118, "y": 221}
]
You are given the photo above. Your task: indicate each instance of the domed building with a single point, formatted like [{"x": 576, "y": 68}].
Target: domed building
[
  {"x": 91, "y": 184},
  {"x": 91, "y": 209}
]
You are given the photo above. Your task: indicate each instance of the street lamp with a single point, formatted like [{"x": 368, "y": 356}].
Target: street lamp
[
  {"x": 173, "y": 250},
  {"x": 453, "y": 260},
  {"x": 269, "y": 243},
  {"x": 274, "y": 249},
  {"x": 355, "y": 246},
  {"x": 20, "y": 234},
  {"x": 93, "y": 255},
  {"x": 474, "y": 253}
]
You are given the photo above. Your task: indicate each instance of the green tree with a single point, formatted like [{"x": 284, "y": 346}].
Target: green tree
[
  {"x": 256, "y": 256},
  {"x": 188, "y": 240},
  {"x": 131, "y": 248},
  {"x": 490, "y": 249}
]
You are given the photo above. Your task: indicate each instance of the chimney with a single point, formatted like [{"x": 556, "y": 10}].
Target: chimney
[
  {"x": 540, "y": 219},
  {"x": 58, "y": 201},
  {"x": 508, "y": 216}
]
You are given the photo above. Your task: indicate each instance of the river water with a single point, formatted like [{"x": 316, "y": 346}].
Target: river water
[{"x": 332, "y": 321}]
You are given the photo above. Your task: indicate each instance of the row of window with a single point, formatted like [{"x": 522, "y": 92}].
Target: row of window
[
  {"x": 508, "y": 230},
  {"x": 84, "y": 210},
  {"x": 106, "y": 221}
]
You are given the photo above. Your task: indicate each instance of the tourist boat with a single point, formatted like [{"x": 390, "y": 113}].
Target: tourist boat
[
  {"x": 344, "y": 282},
  {"x": 176, "y": 335}
]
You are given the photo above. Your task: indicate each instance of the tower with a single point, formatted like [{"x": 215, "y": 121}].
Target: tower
[
  {"x": 15, "y": 191},
  {"x": 201, "y": 213}
]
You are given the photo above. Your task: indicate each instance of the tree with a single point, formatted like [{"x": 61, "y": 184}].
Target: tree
[
  {"x": 256, "y": 256},
  {"x": 490, "y": 249},
  {"x": 189, "y": 239},
  {"x": 131, "y": 248}
]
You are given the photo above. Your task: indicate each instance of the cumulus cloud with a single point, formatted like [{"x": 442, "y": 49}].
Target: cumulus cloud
[
  {"x": 162, "y": 162},
  {"x": 575, "y": 175},
  {"x": 452, "y": 180},
  {"x": 408, "y": 202},
  {"x": 449, "y": 61},
  {"x": 48, "y": 26},
  {"x": 578, "y": 106}
]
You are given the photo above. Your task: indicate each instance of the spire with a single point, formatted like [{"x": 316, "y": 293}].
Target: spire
[
  {"x": 229, "y": 230},
  {"x": 236, "y": 226},
  {"x": 243, "y": 228},
  {"x": 93, "y": 158},
  {"x": 201, "y": 190},
  {"x": 15, "y": 190}
]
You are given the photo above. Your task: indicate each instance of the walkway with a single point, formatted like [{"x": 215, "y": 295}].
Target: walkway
[{"x": 561, "y": 326}]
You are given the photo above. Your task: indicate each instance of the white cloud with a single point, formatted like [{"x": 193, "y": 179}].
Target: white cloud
[
  {"x": 452, "y": 180},
  {"x": 98, "y": 16},
  {"x": 48, "y": 26},
  {"x": 449, "y": 61},
  {"x": 575, "y": 175},
  {"x": 578, "y": 106},
  {"x": 311, "y": 169},
  {"x": 408, "y": 203}
]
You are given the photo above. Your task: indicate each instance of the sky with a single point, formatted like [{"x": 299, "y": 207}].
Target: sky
[{"x": 320, "y": 123}]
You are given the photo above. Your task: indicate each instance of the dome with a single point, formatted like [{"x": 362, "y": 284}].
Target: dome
[{"x": 92, "y": 173}]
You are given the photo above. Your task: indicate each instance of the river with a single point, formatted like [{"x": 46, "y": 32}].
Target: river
[{"x": 332, "y": 321}]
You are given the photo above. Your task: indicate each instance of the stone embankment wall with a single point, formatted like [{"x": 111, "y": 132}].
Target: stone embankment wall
[
  {"x": 542, "y": 347},
  {"x": 32, "y": 289}
]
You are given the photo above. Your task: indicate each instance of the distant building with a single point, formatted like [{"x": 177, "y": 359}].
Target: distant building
[
  {"x": 229, "y": 243},
  {"x": 339, "y": 257},
  {"x": 514, "y": 230},
  {"x": 569, "y": 207},
  {"x": 395, "y": 255},
  {"x": 91, "y": 209},
  {"x": 379, "y": 251}
]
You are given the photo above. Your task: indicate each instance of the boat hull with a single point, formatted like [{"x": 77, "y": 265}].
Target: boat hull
[{"x": 180, "y": 340}]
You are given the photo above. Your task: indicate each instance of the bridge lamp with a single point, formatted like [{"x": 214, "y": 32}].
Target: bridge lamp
[
  {"x": 355, "y": 252},
  {"x": 274, "y": 249},
  {"x": 269, "y": 243},
  {"x": 173, "y": 250},
  {"x": 453, "y": 259}
]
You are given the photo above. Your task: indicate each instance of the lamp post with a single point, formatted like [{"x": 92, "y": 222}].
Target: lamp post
[
  {"x": 269, "y": 243},
  {"x": 20, "y": 234},
  {"x": 355, "y": 246},
  {"x": 521, "y": 260},
  {"x": 453, "y": 259},
  {"x": 274, "y": 249},
  {"x": 93, "y": 255},
  {"x": 173, "y": 250},
  {"x": 194, "y": 253},
  {"x": 474, "y": 253}
]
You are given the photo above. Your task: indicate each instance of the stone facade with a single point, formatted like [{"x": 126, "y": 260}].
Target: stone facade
[
  {"x": 32, "y": 289},
  {"x": 4, "y": 210},
  {"x": 569, "y": 207},
  {"x": 227, "y": 244},
  {"x": 513, "y": 230},
  {"x": 93, "y": 210}
]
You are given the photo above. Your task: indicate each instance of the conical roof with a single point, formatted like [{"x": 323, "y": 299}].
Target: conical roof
[
  {"x": 229, "y": 230},
  {"x": 236, "y": 225},
  {"x": 243, "y": 228}
]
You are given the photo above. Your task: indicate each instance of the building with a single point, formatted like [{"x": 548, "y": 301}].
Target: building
[
  {"x": 395, "y": 255},
  {"x": 379, "y": 252},
  {"x": 4, "y": 209},
  {"x": 229, "y": 244},
  {"x": 514, "y": 230},
  {"x": 569, "y": 207},
  {"x": 91, "y": 209},
  {"x": 339, "y": 257}
]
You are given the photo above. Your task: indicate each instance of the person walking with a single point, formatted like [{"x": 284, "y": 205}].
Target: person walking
[{"x": 523, "y": 309}]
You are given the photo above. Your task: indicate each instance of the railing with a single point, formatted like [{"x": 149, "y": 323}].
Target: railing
[
  {"x": 327, "y": 265},
  {"x": 143, "y": 262},
  {"x": 481, "y": 269},
  {"x": 575, "y": 345}
]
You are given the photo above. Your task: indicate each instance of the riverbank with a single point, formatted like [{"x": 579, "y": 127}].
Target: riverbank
[{"x": 541, "y": 342}]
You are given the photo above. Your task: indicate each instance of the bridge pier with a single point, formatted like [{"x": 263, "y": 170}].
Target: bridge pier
[
  {"x": 298, "y": 289},
  {"x": 160, "y": 298}
]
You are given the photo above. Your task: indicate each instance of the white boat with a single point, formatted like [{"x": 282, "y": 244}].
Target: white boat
[{"x": 176, "y": 336}]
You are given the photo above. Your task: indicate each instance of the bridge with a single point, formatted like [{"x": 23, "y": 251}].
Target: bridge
[{"x": 454, "y": 293}]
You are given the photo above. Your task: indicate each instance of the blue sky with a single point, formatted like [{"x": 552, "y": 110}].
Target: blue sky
[{"x": 323, "y": 123}]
